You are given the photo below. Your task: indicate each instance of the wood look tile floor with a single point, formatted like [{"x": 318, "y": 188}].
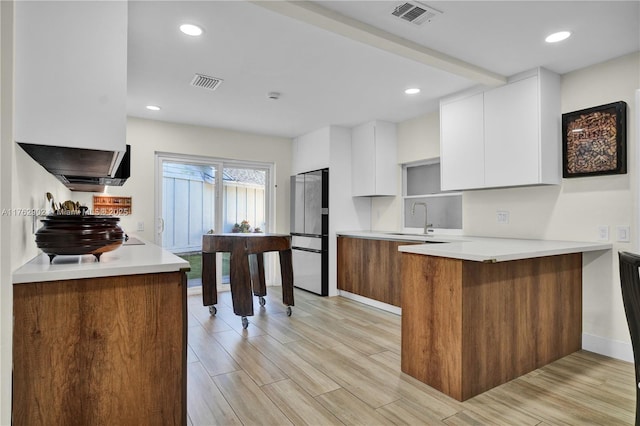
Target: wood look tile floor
[{"x": 335, "y": 361}]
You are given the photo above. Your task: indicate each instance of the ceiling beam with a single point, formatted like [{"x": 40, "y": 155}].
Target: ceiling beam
[{"x": 314, "y": 14}]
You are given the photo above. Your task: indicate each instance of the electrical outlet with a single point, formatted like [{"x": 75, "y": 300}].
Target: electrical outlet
[
  {"x": 603, "y": 233},
  {"x": 140, "y": 226},
  {"x": 502, "y": 217},
  {"x": 623, "y": 234}
]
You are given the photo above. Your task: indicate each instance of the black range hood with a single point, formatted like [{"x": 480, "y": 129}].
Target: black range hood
[{"x": 81, "y": 169}]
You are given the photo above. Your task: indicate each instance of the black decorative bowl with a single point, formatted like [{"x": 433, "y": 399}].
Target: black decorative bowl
[{"x": 76, "y": 234}]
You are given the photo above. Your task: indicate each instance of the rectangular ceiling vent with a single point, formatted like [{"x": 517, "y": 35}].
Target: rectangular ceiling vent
[
  {"x": 414, "y": 12},
  {"x": 206, "y": 82}
]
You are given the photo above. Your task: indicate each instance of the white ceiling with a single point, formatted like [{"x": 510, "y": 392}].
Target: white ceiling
[{"x": 348, "y": 62}]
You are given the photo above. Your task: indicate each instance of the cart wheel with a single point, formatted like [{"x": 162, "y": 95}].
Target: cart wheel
[
  {"x": 245, "y": 322},
  {"x": 288, "y": 311},
  {"x": 212, "y": 310},
  {"x": 262, "y": 301}
]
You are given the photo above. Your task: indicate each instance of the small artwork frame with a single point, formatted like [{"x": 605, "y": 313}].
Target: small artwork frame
[{"x": 594, "y": 141}]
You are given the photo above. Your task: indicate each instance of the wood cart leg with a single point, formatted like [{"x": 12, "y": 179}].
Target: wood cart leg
[
  {"x": 256, "y": 266},
  {"x": 240, "y": 278},
  {"x": 286, "y": 269},
  {"x": 209, "y": 287}
]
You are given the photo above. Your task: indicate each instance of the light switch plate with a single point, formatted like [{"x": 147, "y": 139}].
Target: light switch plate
[
  {"x": 140, "y": 226},
  {"x": 502, "y": 216},
  {"x": 603, "y": 233},
  {"x": 623, "y": 234}
]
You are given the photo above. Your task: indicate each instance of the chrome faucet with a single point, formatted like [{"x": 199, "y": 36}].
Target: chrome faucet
[{"x": 413, "y": 212}]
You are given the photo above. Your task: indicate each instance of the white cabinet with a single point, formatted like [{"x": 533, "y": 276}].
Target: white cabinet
[
  {"x": 511, "y": 134},
  {"x": 507, "y": 136},
  {"x": 462, "y": 143},
  {"x": 374, "y": 167},
  {"x": 71, "y": 73},
  {"x": 311, "y": 151}
]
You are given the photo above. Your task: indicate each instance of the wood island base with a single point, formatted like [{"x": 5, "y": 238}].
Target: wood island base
[
  {"x": 101, "y": 351},
  {"x": 470, "y": 326}
]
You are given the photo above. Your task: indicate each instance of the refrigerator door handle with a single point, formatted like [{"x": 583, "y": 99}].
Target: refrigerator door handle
[{"x": 306, "y": 249}]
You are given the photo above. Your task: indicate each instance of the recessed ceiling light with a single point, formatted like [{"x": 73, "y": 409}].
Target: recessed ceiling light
[
  {"x": 153, "y": 107},
  {"x": 412, "y": 91},
  {"x": 190, "y": 29},
  {"x": 556, "y": 37}
]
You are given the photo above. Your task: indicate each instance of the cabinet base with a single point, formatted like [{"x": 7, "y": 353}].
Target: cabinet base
[{"x": 470, "y": 326}]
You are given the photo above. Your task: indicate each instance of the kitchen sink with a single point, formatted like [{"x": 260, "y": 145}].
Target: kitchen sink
[{"x": 408, "y": 234}]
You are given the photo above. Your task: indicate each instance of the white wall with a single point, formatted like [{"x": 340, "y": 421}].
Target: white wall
[
  {"x": 570, "y": 211},
  {"x": 147, "y": 137},
  {"x": 345, "y": 212},
  {"x": 418, "y": 139},
  {"x": 30, "y": 184}
]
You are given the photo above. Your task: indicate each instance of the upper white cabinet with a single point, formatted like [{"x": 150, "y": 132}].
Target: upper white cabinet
[
  {"x": 374, "y": 167},
  {"x": 511, "y": 134},
  {"x": 71, "y": 73},
  {"x": 507, "y": 136},
  {"x": 462, "y": 143},
  {"x": 311, "y": 151}
]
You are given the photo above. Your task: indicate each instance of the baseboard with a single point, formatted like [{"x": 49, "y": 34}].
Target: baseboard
[
  {"x": 198, "y": 289},
  {"x": 194, "y": 290},
  {"x": 374, "y": 303},
  {"x": 612, "y": 348}
]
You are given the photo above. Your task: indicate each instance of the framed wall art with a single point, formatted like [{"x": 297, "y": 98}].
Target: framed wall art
[{"x": 594, "y": 141}]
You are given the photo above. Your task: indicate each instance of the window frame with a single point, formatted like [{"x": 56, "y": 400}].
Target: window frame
[{"x": 430, "y": 161}]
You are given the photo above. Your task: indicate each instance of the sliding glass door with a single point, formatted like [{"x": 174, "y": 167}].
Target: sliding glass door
[
  {"x": 199, "y": 195},
  {"x": 189, "y": 205}
]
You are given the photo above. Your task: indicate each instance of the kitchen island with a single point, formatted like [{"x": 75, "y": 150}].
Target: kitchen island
[
  {"x": 100, "y": 342},
  {"x": 478, "y": 312}
]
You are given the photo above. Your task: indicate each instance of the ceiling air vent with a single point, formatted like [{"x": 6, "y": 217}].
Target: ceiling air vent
[
  {"x": 206, "y": 82},
  {"x": 414, "y": 12}
]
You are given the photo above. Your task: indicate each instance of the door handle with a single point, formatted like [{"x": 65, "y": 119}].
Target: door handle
[{"x": 160, "y": 225}]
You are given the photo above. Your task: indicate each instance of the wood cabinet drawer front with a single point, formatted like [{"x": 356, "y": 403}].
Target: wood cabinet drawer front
[{"x": 370, "y": 268}]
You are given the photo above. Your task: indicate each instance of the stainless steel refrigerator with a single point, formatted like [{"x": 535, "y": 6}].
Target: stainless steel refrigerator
[{"x": 310, "y": 230}]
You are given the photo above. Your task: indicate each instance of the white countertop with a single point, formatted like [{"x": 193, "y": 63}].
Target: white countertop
[
  {"x": 483, "y": 249},
  {"x": 399, "y": 236},
  {"x": 126, "y": 260}
]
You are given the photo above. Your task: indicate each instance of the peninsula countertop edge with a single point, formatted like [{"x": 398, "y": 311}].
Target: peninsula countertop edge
[
  {"x": 146, "y": 258},
  {"x": 481, "y": 249}
]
